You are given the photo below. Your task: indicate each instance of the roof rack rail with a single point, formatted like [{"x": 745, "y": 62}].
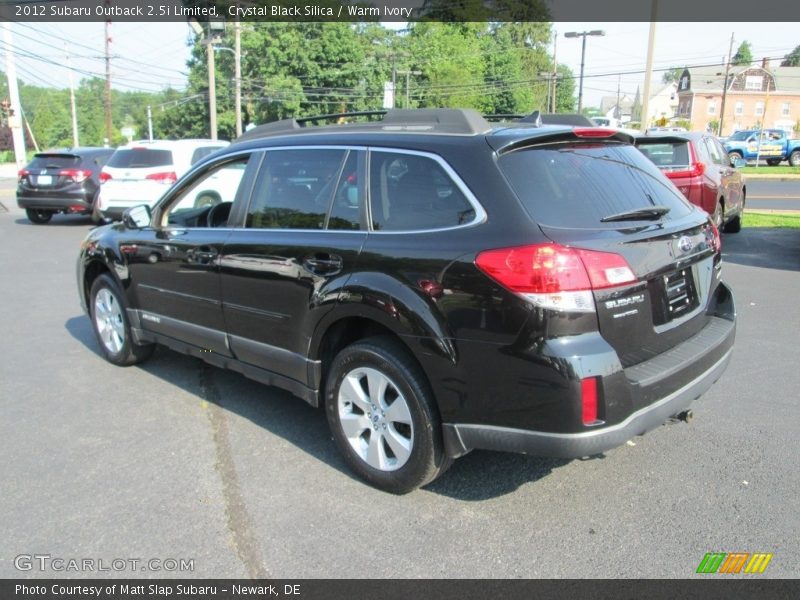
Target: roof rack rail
[
  {"x": 439, "y": 120},
  {"x": 361, "y": 113}
]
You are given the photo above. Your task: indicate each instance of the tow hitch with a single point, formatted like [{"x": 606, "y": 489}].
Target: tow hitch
[{"x": 686, "y": 416}]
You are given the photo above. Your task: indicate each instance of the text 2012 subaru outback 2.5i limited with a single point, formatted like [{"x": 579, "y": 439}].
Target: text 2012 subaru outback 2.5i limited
[{"x": 436, "y": 283}]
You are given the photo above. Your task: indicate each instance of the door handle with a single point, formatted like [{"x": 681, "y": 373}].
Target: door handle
[{"x": 324, "y": 264}]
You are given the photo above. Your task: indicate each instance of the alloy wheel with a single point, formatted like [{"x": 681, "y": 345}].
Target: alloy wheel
[
  {"x": 375, "y": 418},
  {"x": 108, "y": 320}
]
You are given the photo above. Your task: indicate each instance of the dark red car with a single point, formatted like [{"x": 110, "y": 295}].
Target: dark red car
[{"x": 700, "y": 168}]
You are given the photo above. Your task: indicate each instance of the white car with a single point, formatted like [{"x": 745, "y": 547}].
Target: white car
[{"x": 140, "y": 172}]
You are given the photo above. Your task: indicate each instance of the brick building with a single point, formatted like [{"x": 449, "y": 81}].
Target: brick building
[{"x": 757, "y": 96}]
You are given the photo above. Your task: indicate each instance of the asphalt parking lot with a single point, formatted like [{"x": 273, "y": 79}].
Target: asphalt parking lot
[{"x": 178, "y": 460}]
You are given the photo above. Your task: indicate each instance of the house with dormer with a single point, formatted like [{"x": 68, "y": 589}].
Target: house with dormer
[{"x": 757, "y": 96}]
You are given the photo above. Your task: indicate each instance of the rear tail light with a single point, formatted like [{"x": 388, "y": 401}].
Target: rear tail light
[
  {"x": 77, "y": 175},
  {"x": 167, "y": 177},
  {"x": 695, "y": 170},
  {"x": 23, "y": 173},
  {"x": 712, "y": 236},
  {"x": 555, "y": 276},
  {"x": 104, "y": 176},
  {"x": 589, "y": 400}
]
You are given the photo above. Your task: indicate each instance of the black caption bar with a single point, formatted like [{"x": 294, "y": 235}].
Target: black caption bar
[
  {"x": 403, "y": 589},
  {"x": 712, "y": 11}
]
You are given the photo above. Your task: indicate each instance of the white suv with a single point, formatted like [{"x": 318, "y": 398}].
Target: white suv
[{"x": 140, "y": 172}]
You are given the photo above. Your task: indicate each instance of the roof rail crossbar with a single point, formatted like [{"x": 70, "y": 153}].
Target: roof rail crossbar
[
  {"x": 446, "y": 120},
  {"x": 343, "y": 115}
]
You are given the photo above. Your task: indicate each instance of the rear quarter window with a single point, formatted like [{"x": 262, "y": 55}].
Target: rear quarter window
[
  {"x": 140, "y": 158},
  {"x": 576, "y": 185}
]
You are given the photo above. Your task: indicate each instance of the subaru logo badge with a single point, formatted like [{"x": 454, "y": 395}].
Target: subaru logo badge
[{"x": 685, "y": 244}]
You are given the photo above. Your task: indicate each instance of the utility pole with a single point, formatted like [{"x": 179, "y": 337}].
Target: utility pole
[
  {"x": 725, "y": 88},
  {"x": 237, "y": 75},
  {"x": 212, "y": 89},
  {"x": 648, "y": 70},
  {"x": 582, "y": 34},
  {"x": 555, "y": 74},
  {"x": 72, "y": 101},
  {"x": 107, "y": 92},
  {"x": 150, "y": 122},
  {"x": 617, "y": 111},
  {"x": 14, "y": 107}
]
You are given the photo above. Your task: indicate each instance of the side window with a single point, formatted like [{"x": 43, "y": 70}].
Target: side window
[
  {"x": 346, "y": 207},
  {"x": 215, "y": 188},
  {"x": 726, "y": 160},
  {"x": 716, "y": 157},
  {"x": 294, "y": 189},
  {"x": 410, "y": 192}
]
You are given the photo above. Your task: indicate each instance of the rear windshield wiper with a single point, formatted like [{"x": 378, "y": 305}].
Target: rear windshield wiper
[{"x": 637, "y": 214}]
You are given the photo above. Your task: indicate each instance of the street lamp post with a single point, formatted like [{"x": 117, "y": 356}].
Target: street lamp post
[{"x": 582, "y": 34}]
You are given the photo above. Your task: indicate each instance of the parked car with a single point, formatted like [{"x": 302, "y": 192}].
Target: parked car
[
  {"x": 140, "y": 172},
  {"x": 701, "y": 169},
  {"x": 436, "y": 284},
  {"x": 772, "y": 145},
  {"x": 60, "y": 182}
]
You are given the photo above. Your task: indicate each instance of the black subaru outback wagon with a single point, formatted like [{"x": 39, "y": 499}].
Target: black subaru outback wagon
[{"x": 438, "y": 284}]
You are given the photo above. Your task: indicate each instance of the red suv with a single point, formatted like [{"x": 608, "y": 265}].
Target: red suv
[{"x": 701, "y": 169}]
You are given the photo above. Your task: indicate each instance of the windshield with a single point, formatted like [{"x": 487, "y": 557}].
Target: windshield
[
  {"x": 577, "y": 185},
  {"x": 141, "y": 158},
  {"x": 54, "y": 161},
  {"x": 740, "y": 136}
]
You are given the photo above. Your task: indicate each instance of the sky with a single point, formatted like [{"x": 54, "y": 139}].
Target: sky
[{"x": 151, "y": 56}]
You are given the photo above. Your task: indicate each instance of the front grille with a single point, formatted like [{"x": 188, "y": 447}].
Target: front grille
[{"x": 677, "y": 296}]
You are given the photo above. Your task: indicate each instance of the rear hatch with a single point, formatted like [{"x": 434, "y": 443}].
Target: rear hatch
[
  {"x": 52, "y": 173},
  {"x": 676, "y": 158},
  {"x": 605, "y": 196},
  {"x": 137, "y": 174}
]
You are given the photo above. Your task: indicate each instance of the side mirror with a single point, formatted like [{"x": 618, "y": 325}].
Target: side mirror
[
  {"x": 738, "y": 162},
  {"x": 137, "y": 217}
]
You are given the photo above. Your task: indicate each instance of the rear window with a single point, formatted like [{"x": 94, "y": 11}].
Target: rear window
[
  {"x": 204, "y": 151},
  {"x": 668, "y": 154},
  {"x": 54, "y": 161},
  {"x": 140, "y": 158},
  {"x": 576, "y": 185}
]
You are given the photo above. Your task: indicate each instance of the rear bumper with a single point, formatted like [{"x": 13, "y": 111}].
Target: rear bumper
[
  {"x": 65, "y": 203},
  {"x": 643, "y": 397},
  {"x": 460, "y": 439}
]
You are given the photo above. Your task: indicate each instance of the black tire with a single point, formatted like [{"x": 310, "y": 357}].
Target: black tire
[
  {"x": 734, "y": 225},
  {"x": 39, "y": 216},
  {"x": 419, "y": 426},
  {"x": 734, "y": 155},
  {"x": 794, "y": 158},
  {"x": 107, "y": 310},
  {"x": 773, "y": 162}
]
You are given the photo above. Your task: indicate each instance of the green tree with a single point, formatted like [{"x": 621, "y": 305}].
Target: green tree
[
  {"x": 744, "y": 55},
  {"x": 565, "y": 90},
  {"x": 792, "y": 59},
  {"x": 672, "y": 74}
]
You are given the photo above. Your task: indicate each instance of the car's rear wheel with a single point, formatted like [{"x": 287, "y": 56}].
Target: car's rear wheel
[
  {"x": 39, "y": 216},
  {"x": 794, "y": 158},
  {"x": 381, "y": 413},
  {"x": 111, "y": 326}
]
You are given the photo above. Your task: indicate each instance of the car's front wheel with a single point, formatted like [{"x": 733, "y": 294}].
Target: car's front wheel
[
  {"x": 39, "y": 216},
  {"x": 111, "y": 326},
  {"x": 382, "y": 416}
]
